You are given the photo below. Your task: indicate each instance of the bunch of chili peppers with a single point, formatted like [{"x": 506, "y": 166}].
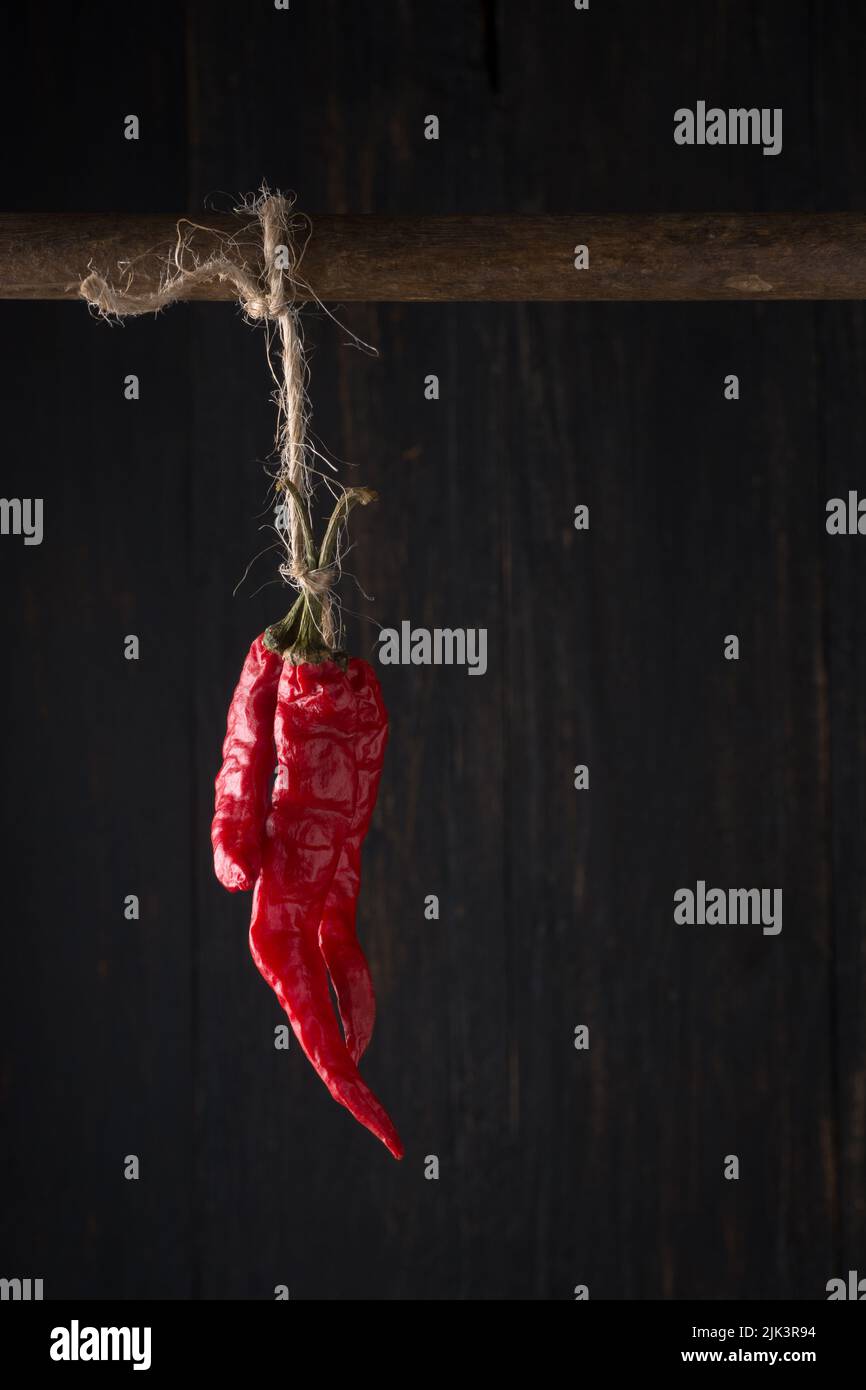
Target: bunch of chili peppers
[{"x": 295, "y": 839}]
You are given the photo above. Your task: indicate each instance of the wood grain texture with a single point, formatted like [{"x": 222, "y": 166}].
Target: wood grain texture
[
  {"x": 672, "y": 256},
  {"x": 558, "y": 1167},
  {"x": 96, "y": 1029}
]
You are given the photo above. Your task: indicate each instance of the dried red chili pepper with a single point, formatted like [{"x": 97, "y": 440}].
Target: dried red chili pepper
[
  {"x": 312, "y": 812},
  {"x": 329, "y": 730},
  {"x": 242, "y": 799},
  {"x": 244, "y": 780},
  {"x": 347, "y": 964}
]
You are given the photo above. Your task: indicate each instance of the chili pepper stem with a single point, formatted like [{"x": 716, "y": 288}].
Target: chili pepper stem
[
  {"x": 298, "y": 636},
  {"x": 352, "y": 497}
]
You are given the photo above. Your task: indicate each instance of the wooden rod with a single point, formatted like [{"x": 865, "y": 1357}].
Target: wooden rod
[{"x": 632, "y": 256}]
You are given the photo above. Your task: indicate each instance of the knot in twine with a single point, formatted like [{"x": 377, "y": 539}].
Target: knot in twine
[
  {"x": 257, "y": 307},
  {"x": 269, "y": 297},
  {"x": 317, "y": 582}
]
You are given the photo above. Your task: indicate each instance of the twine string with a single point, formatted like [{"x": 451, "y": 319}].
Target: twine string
[{"x": 270, "y": 297}]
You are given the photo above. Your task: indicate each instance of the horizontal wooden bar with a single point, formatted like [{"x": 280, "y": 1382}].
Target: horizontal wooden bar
[{"x": 632, "y": 256}]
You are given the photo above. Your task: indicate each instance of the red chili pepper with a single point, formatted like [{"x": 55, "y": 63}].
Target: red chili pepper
[
  {"x": 312, "y": 813},
  {"x": 326, "y": 722},
  {"x": 244, "y": 780},
  {"x": 347, "y": 964},
  {"x": 242, "y": 800}
]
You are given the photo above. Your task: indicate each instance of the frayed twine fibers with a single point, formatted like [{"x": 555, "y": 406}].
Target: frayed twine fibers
[{"x": 271, "y": 297}]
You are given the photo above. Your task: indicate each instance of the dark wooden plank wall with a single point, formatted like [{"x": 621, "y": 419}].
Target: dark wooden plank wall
[{"x": 156, "y": 1037}]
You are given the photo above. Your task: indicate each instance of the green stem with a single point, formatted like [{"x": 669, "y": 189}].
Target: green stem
[
  {"x": 353, "y": 496},
  {"x": 282, "y": 635},
  {"x": 298, "y": 636}
]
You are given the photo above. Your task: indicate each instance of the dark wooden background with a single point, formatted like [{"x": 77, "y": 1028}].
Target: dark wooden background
[{"x": 156, "y": 1037}]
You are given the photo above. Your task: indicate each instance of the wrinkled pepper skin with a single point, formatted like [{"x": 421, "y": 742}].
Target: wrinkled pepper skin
[
  {"x": 346, "y": 962},
  {"x": 244, "y": 781},
  {"x": 313, "y": 809}
]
